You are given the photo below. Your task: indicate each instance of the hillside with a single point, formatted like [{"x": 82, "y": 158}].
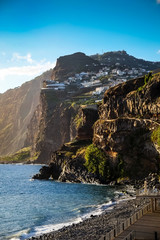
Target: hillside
[
  {"x": 32, "y": 117},
  {"x": 124, "y": 60},
  {"x": 125, "y": 143},
  {"x": 16, "y": 109}
]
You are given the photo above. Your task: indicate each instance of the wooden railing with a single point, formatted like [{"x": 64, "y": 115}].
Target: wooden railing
[
  {"x": 130, "y": 236},
  {"x": 148, "y": 192},
  {"x": 128, "y": 222}
]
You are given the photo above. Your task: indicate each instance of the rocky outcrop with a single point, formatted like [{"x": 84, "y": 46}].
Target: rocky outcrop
[
  {"x": 69, "y": 65},
  {"x": 133, "y": 99},
  {"x": 129, "y": 115},
  {"x": 67, "y": 164}
]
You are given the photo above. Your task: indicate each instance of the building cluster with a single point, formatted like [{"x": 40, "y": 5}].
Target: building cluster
[{"x": 103, "y": 79}]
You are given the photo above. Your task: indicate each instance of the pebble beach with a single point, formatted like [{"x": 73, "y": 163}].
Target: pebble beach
[{"x": 96, "y": 226}]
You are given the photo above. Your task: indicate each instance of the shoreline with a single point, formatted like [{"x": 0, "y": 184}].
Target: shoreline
[{"x": 96, "y": 225}]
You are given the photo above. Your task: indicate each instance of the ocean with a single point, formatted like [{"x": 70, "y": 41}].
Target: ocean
[{"x": 32, "y": 207}]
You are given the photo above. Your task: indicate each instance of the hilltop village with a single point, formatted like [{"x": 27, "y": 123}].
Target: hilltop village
[{"x": 101, "y": 80}]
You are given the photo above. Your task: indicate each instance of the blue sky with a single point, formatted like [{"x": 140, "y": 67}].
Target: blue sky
[{"x": 34, "y": 33}]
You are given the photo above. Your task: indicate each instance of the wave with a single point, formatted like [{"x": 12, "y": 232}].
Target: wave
[
  {"x": 83, "y": 213},
  {"x": 17, "y": 236}
]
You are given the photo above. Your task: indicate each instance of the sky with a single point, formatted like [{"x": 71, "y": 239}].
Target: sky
[{"x": 34, "y": 33}]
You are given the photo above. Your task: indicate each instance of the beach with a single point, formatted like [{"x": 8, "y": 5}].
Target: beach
[{"x": 96, "y": 226}]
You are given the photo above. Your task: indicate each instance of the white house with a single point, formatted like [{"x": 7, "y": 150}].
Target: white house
[
  {"x": 56, "y": 86},
  {"x": 120, "y": 73},
  {"x": 98, "y": 90}
]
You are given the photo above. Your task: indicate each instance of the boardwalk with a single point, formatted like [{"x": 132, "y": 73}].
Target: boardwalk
[
  {"x": 144, "y": 228},
  {"x": 144, "y": 224}
]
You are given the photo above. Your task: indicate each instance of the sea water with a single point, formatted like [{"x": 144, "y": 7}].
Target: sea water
[{"x": 30, "y": 208}]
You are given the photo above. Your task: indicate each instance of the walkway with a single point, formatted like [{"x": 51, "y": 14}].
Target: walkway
[
  {"x": 144, "y": 228},
  {"x": 144, "y": 224}
]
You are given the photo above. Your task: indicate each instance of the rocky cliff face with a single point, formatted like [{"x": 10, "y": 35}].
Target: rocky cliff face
[
  {"x": 16, "y": 109},
  {"x": 51, "y": 126},
  {"x": 69, "y": 65},
  {"x": 133, "y": 99},
  {"x": 126, "y": 142},
  {"x": 89, "y": 116},
  {"x": 129, "y": 115},
  {"x": 67, "y": 164}
]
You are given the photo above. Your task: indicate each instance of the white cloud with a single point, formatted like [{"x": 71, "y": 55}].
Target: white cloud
[
  {"x": 24, "y": 73},
  {"x": 158, "y": 1},
  {"x": 158, "y": 52},
  {"x": 17, "y": 57}
]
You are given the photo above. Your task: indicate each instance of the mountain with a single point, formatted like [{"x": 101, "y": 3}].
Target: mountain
[
  {"x": 69, "y": 65},
  {"x": 46, "y": 119},
  {"x": 125, "y": 140},
  {"x": 16, "y": 110},
  {"x": 124, "y": 60}
]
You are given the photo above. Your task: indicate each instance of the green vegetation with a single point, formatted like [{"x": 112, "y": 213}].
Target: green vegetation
[
  {"x": 147, "y": 79},
  {"x": 83, "y": 100},
  {"x": 35, "y": 156},
  {"x": 104, "y": 79},
  {"x": 155, "y": 136},
  {"x": 19, "y": 157},
  {"x": 69, "y": 154},
  {"x": 81, "y": 151},
  {"x": 78, "y": 120},
  {"x": 120, "y": 168},
  {"x": 96, "y": 161}
]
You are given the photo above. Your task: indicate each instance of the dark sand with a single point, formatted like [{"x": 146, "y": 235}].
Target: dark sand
[{"x": 95, "y": 226}]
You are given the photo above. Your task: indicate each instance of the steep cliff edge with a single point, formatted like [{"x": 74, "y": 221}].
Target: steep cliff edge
[
  {"x": 129, "y": 118},
  {"x": 16, "y": 109},
  {"x": 51, "y": 125},
  {"x": 126, "y": 138},
  {"x": 69, "y": 65},
  {"x": 67, "y": 164}
]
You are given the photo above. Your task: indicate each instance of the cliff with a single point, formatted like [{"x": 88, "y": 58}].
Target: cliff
[
  {"x": 69, "y": 65},
  {"x": 125, "y": 143},
  {"x": 51, "y": 125},
  {"x": 67, "y": 164},
  {"x": 16, "y": 110},
  {"x": 57, "y": 117},
  {"x": 129, "y": 118}
]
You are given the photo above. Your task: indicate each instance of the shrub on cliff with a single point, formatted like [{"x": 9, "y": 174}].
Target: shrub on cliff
[
  {"x": 155, "y": 137},
  {"x": 147, "y": 79},
  {"x": 96, "y": 162},
  {"x": 78, "y": 120}
]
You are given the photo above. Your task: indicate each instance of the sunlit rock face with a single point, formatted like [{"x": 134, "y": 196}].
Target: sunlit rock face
[
  {"x": 16, "y": 110},
  {"x": 129, "y": 115}
]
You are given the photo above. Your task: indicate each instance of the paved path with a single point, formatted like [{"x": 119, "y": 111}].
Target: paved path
[{"x": 144, "y": 228}]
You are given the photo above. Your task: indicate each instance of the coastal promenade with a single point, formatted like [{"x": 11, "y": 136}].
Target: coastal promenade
[
  {"x": 128, "y": 220},
  {"x": 147, "y": 227},
  {"x": 144, "y": 224}
]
